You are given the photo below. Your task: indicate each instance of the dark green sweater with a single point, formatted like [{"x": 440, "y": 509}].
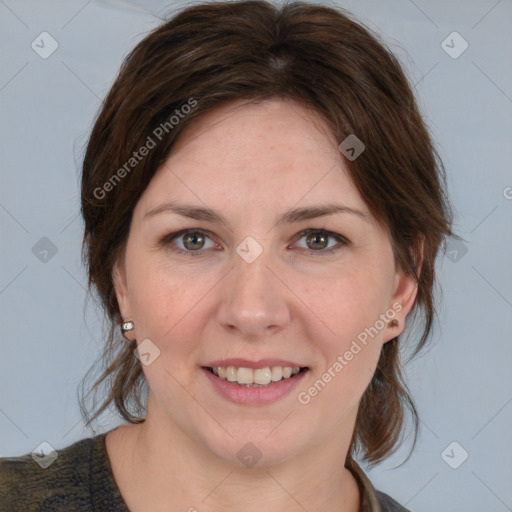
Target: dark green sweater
[{"x": 80, "y": 479}]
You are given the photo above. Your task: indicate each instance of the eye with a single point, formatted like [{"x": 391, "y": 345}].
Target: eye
[
  {"x": 318, "y": 241},
  {"x": 192, "y": 240}
]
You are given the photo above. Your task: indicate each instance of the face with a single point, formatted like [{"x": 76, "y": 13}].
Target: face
[{"x": 236, "y": 257}]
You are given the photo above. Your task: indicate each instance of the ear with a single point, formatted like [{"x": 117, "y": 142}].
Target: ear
[
  {"x": 405, "y": 289},
  {"x": 121, "y": 288}
]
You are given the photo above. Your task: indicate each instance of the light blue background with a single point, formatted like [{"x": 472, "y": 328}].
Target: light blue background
[{"x": 462, "y": 385}]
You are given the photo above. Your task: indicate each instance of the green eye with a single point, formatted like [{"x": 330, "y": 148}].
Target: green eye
[
  {"x": 320, "y": 239},
  {"x": 193, "y": 241}
]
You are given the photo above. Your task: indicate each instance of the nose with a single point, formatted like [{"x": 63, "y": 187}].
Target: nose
[{"x": 254, "y": 302}]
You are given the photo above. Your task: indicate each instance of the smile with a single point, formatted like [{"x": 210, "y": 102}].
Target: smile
[
  {"x": 255, "y": 377},
  {"x": 258, "y": 386}
]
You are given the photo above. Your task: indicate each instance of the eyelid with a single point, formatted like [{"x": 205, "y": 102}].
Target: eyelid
[
  {"x": 169, "y": 238},
  {"x": 342, "y": 241}
]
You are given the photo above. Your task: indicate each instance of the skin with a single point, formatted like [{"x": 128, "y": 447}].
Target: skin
[{"x": 251, "y": 162}]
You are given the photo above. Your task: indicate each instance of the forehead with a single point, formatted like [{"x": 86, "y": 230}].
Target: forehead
[
  {"x": 274, "y": 114},
  {"x": 271, "y": 153},
  {"x": 241, "y": 132}
]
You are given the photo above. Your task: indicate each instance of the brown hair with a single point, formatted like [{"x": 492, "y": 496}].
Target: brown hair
[{"x": 210, "y": 54}]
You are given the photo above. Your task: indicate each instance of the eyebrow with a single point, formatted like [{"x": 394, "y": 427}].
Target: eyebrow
[{"x": 289, "y": 217}]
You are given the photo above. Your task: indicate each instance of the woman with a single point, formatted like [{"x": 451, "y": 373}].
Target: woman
[{"x": 263, "y": 207}]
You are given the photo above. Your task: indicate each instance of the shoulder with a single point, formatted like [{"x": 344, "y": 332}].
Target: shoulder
[
  {"x": 48, "y": 481},
  {"x": 372, "y": 500},
  {"x": 388, "y": 504}
]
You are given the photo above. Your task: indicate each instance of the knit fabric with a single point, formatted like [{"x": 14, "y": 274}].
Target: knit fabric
[{"x": 80, "y": 479}]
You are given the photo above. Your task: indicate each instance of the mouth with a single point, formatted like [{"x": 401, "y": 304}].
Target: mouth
[{"x": 256, "y": 377}]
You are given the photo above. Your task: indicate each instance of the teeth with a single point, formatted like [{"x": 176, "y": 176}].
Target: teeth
[
  {"x": 262, "y": 376},
  {"x": 257, "y": 377},
  {"x": 245, "y": 376},
  {"x": 277, "y": 373},
  {"x": 231, "y": 373}
]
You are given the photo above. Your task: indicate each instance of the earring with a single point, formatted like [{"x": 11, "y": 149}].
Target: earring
[
  {"x": 126, "y": 327},
  {"x": 394, "y": 323}
]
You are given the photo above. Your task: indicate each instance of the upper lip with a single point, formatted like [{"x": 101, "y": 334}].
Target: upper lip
[{"x": 244, "y": 363}]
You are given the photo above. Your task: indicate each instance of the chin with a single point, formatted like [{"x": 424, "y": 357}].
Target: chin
[{"x": 255, "y": 448}]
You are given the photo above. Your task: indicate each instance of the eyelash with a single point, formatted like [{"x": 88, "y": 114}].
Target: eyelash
[{"x": 342, "y": 241}]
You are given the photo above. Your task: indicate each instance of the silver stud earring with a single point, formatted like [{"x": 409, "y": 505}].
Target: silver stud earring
[{"x": 126, "y": 327}]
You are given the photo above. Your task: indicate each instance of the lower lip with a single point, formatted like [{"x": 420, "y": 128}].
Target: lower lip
[{"x": 257, "y": 395}]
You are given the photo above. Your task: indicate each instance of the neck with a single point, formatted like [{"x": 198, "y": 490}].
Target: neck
[{"x": 165, "y": 469}]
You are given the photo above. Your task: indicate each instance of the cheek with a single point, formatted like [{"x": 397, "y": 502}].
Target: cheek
[
  {"x": 347, "y": 303},
  {"x": 168, "y": 303},
  {"x": 348, "y": 340},
  {"x": 169, "y": 309},
  {"x": 347, "y": 331}
]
